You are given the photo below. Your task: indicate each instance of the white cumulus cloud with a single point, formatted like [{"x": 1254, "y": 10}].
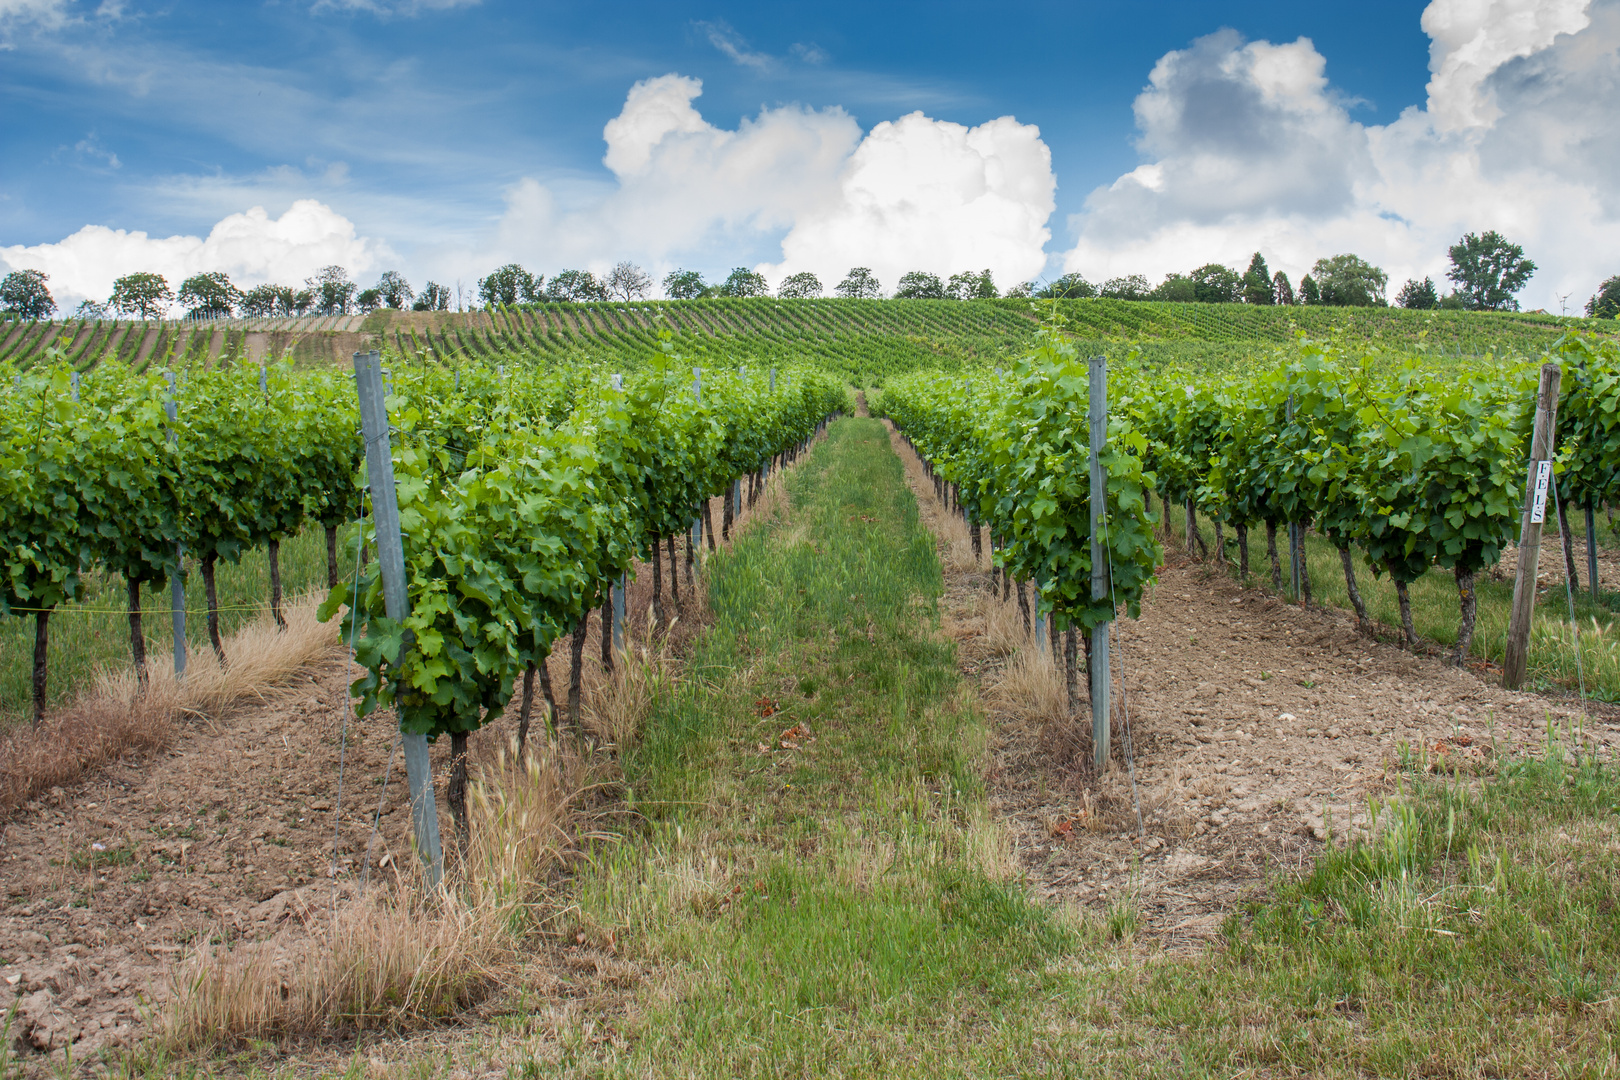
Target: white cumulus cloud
[
  {"x": 1471, "y": 39},
  {"x": 252, "y": 247},
  {"x": 1249, "y": 148},
  {"x": 913, "y": 194},
  {"x": 683, "y": 187},
  {"x": 921, "y": 194}
]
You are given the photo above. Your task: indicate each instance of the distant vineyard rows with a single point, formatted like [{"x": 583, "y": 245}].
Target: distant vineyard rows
[{"x": 861, "y": 340}]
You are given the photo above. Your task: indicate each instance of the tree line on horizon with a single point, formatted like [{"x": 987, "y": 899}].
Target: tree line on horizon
[{"x": 1486, "y": 271}]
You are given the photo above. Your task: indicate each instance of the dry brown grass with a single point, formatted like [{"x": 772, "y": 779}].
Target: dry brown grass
[
  {"x": 1004, "y": 632},
  {"x": 263, "y": 663},
  {"x": 116, "y": 716},
  {"x": 1031, "y": 687},
  {"x": 387, "y": 960},
  {"x": 398, "y": 957},
  {"x": 616, "y": 706}
]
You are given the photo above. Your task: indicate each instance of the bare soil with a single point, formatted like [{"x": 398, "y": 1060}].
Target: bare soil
[
  {"x": 1258, "y": 731},
  {"x": 1550, "y": 561}
]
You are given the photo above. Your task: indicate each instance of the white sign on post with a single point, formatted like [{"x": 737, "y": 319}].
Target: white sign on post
[{"x": 1538, "y": 509}]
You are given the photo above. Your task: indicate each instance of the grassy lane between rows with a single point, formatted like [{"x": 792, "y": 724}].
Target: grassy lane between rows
[{"x": 816, "y": 887}]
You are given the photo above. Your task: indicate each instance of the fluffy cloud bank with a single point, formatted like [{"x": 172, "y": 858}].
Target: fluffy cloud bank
[
  {"x": 913, "y": 194},
  {"x": 1250, "y": 148},
  {"x": 252, "y": 247}
]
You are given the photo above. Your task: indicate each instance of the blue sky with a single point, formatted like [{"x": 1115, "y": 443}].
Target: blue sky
[{"x": 417, "y": 122}]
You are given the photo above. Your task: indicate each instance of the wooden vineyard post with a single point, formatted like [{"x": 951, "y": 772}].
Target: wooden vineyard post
[
  {"x": 177, "y": 580},
  {"x": 1101, "y": 688},
  {"x": 617, "y": 591},
  {"x": 1537, "y": 481},
  {"x": 697, "y": 395},
  {"x": 396, "y": 597},
  {"x": 1591, "y": 551}
]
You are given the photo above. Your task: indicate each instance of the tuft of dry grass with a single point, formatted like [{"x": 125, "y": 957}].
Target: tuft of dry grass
[
  {"x": 1031, "y": 688},
  {"x": 1004, "y": 632},
  {"x": 117, "y": 716},
  {"x": 392, "y": 960},
  {"x": 526, "y": 815},
  {"x": 617, "y": 706}
]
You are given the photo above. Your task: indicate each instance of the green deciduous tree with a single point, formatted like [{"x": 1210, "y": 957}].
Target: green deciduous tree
[
  {"x": 1067, "y": 287},
  {"x": 1488, "y": 271},
  {"x": 859, "y": 284},
  {"x": 1606, "y": 304},
  {"x": 394, "y": 290},
  {"x": 1308, "y": 292},
  {"x": 1177, "y": 287},
  {"x": 509, "y": 286},
  {"x": 368, "y": 300},
  {"x": 1350, "y": 281},
  {"x": 577, "y": 286},
  {"x": 434, "y": 297},
  {"x": 1216, "y": 284},
  {"x": 684, "y": 285},
  {"x": 919, "y": 285},
  {"x": 1129, "y": 287},
  {"x": 332, "y": 290},
  {"x": 745, "y": 282},
  {"x": 210, "y": 295},
  {"x": 24, "y": 292},
  {"x": 970, "y": 286},
  {"x": 801, "y": 286},
  {"x": 141, "y": 293},
  {"x": 264, "y": 301}
]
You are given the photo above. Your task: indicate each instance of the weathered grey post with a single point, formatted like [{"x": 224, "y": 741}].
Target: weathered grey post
[
  {"x": 736, "y": 485},
  {"x": 396, "y": 596},
  {"x": 765, "y": 470},
  {"x": 177, "y": 580},
  {"x": 618, "y": 590},
  {"x": 697, "y": 522},
  {"x": 1296, "y": 536},
  {"x": 1591, "y": 551},
  {"x": 1101, "y": 688},
  {"x": 73, "y": 384},
  {"x": 1537, "y": 481}
]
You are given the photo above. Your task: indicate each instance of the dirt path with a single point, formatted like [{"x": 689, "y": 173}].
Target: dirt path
[{"x": 1258, "y": 727}]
